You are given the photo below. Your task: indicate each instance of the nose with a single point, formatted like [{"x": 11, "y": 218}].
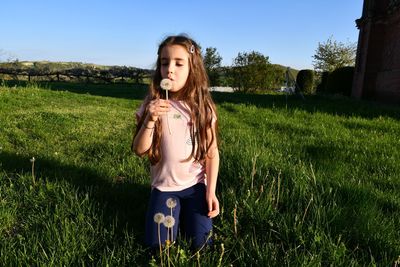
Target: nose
[{"x": 171, "y": 68}]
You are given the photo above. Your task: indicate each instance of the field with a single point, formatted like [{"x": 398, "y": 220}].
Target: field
[{"x": 312, "y": 182}]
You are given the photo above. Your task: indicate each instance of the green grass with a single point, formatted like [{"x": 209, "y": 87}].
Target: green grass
[{"x": 312, "y": 183}]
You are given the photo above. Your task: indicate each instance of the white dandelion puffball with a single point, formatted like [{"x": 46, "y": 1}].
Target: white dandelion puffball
[
  {"x": 159, "y": 218},
  {"x": 166, "y": 84},
  {"x": 171, "y": 203},
  {"x": 169, "y": 221}
]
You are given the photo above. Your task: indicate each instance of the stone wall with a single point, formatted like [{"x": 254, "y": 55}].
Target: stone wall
[{"x": 377, "y": 73}]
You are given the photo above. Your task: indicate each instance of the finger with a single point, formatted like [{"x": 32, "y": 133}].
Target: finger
[
  {"x": 213, "y": 213},
  {"x": 213, "y": 209},
  {"x": 164, "y": 104},
  {"x": 210, "y": 205},
  {"x": 162, "y": 109}
]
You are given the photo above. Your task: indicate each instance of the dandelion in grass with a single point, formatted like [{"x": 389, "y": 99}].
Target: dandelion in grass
[
  {"x": 171, "y": 203},
  {"x": 159, "y": 218},
  {"x": 169, "y": 222}
]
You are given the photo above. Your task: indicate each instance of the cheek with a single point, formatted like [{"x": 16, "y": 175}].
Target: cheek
[{"x": 185, "y": 73}]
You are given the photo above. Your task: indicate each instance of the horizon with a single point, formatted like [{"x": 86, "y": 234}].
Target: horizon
[{"x": 124, "y": 34}]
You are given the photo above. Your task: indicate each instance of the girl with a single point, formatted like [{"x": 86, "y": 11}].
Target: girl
[{"x": 179, "y": 137}]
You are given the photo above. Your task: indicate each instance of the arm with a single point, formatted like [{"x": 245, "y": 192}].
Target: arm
[
  {"x": 143, "y": 140},
  {"x": 144, "y": 137},
  {"x": 212, "y": 166}
]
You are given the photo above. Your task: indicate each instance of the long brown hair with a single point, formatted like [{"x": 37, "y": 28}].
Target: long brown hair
[{"x": 195, "y": 94}]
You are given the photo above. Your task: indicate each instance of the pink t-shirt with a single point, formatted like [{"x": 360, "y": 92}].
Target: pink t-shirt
[{"x": 172, "y": 172}]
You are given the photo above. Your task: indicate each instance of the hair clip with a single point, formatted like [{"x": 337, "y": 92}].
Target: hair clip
[{"x": 191, "y": 50}]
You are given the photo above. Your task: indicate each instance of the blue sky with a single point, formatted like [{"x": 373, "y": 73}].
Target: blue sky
[{"x": 123, "y": 32}]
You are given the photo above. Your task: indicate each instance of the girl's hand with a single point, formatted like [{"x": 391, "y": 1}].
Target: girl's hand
[
  {"x": 213, "y": 205},
  {"x": 156, "y": 108}
]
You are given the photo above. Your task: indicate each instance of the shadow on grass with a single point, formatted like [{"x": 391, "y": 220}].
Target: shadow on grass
[
  {"x": 341, "y": 106},
  {"x": 118, "y": 90},
  {"x": 335, "y": 105},
  {"x": 121, "y": 202}
]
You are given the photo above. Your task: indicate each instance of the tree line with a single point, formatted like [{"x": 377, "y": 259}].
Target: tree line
[
  {"x": 54, "y": 71},
  {"x": 251, "y": 71}
]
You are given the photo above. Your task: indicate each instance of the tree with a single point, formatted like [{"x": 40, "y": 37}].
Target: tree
[
  {"x": 332, "y": 55},
  {"x": 212, "y": 63},
  {"x": 251, "y": 72},
  {"x": 340, "y": 81},
  {"x": 305, "y": 81}
]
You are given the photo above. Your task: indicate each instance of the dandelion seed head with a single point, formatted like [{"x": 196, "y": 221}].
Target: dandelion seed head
[
  {"x": 169, "y": 221},
  {"x": 159, "y": 218},
  {"x": 33, "y": 159},
  {"x": 171, "y": 203},
  {"x": 166, "y": 84}
]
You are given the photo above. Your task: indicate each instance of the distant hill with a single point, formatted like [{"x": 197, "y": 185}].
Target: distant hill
[
  {"x": 293, "y": 72},
  {"x": 57, "y": 65}
]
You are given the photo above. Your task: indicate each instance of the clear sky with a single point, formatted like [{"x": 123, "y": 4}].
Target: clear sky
[{"x": 127, "y": 32}]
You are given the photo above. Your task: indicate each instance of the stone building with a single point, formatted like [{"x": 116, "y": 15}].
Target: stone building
[{"x": 377, "y": 70}]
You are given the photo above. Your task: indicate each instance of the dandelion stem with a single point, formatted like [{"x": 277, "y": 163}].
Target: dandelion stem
[
  {"x": 172, "y": 235},
  {"x": 159, "y": 243},
  {"x": 279, "y": 189},
  {"x": 166, "y": 95},
  {"x": 221, "y": 256},
  {"x": 168, "y": 244},
  {"x": 33, "y": 170},
  {"x": 234, "y": 221}
]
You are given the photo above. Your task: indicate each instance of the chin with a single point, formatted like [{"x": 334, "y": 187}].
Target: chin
[{"x": 173, "y": 90}]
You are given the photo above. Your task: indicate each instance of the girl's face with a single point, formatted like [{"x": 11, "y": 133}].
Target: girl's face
[{"x": 175, "y": 65}]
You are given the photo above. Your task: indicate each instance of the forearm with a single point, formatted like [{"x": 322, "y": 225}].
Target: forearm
[
  {"x": 212, "y": 167},
  {"x": 144, "y": 138}
]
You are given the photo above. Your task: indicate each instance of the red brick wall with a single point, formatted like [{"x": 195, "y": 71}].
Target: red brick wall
[{"x": 377, "y": 74}]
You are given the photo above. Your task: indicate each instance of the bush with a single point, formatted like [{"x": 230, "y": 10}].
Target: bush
[
  {"x": 321, "y": 87},
  {"x": 305, "y": 80},
  {"x": 250, "y": 72},
  {"x": 340, "y": 81}
]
